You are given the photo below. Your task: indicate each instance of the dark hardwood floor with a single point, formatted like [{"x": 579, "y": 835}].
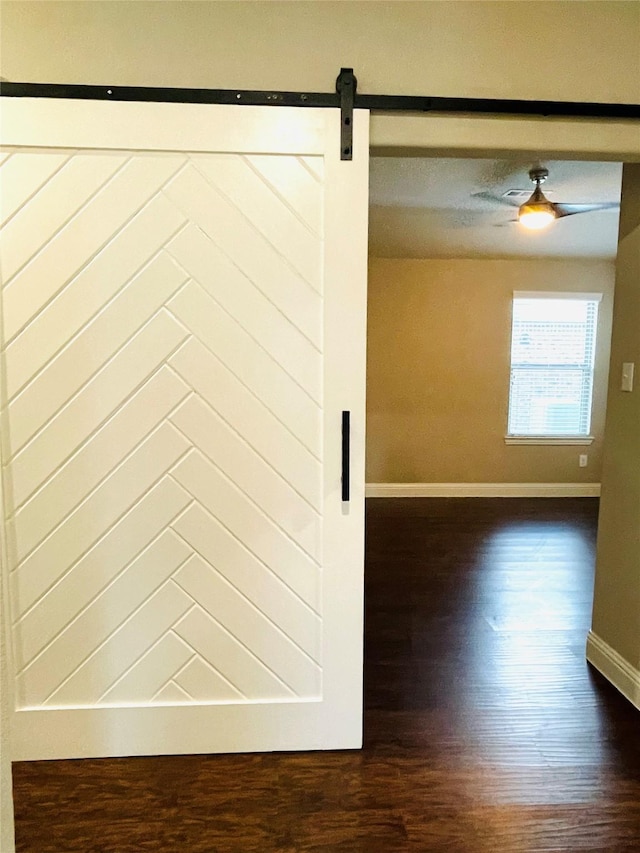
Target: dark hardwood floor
[{"x": 485, "y": 730}]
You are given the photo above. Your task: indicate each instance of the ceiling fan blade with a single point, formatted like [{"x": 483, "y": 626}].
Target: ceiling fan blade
[
  {"x": 571, "y": 209},
  {"x": 495, "y": 199}
]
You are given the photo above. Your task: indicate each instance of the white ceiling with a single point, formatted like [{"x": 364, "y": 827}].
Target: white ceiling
[{"x": 426, "y": 208}]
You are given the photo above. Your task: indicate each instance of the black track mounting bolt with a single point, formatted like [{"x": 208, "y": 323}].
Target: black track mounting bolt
[{"x": 346, "y": 85}]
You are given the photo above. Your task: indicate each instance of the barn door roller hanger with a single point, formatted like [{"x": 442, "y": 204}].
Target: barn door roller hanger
[{"x": 346, "y": 98}]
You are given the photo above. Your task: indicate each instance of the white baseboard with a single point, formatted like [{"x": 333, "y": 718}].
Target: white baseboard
[
  {"x": 482, "y": 490},
  {"x": 614, "y": 667}
]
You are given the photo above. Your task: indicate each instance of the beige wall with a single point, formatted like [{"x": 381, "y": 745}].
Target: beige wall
[
  {"x": 583, "y": 51},
  {"x": 438, "y": 371},
  {"x": 616, "y": 611}
]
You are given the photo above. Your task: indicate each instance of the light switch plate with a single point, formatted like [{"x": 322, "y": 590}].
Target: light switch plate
[{"x": 627, "y": 376}]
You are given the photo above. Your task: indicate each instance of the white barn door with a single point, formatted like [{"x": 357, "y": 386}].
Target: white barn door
[{"x": 183, "y": 323}]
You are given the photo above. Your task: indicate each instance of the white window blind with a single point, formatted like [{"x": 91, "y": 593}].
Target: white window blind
[{"x": 553, "y": 344}]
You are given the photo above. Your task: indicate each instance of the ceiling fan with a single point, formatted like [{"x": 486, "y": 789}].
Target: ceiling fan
[{"x": 537, "y": 211}]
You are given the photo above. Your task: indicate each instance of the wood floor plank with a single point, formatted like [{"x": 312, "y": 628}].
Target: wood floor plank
[{"x": 485, "y": 729}]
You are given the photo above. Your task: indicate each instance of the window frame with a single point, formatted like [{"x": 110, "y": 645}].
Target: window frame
[{"x": 544, "y": 438}]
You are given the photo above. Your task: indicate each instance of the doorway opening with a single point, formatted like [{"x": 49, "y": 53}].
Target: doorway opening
[{"x": 480, "y": 551}]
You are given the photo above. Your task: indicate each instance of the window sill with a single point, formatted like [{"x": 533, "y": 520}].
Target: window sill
[{"x": 542, "y": 439}]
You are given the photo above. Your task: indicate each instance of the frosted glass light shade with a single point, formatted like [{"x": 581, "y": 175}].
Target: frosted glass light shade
[
  {"x": 537, "y": 212},
  {"x": 535, "y": 219}
]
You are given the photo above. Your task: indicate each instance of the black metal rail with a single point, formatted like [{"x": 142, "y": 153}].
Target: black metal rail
[
  {"x": 381, "y": 103},
  {"x": 172, "y": 96},
  {"x": 497, "y": 106}
]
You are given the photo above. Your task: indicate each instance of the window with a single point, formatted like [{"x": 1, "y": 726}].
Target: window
[{"x": 553, "y": 340}]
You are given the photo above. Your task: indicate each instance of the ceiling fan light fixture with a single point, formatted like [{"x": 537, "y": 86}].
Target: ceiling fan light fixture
[{"x": 537, "y": 212}]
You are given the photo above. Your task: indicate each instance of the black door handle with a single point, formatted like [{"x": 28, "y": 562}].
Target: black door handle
[{"x": 346, "y": 430}]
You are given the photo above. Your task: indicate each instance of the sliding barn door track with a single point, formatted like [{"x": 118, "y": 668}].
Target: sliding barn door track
[{"x": 346, "y": 98}]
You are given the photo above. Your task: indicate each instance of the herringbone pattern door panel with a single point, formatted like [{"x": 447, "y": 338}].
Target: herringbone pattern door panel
[{"x": 163, "y": 426}]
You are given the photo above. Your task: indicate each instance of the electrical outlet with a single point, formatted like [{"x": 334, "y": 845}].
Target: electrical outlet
[{"x": 583, "y": 459}]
